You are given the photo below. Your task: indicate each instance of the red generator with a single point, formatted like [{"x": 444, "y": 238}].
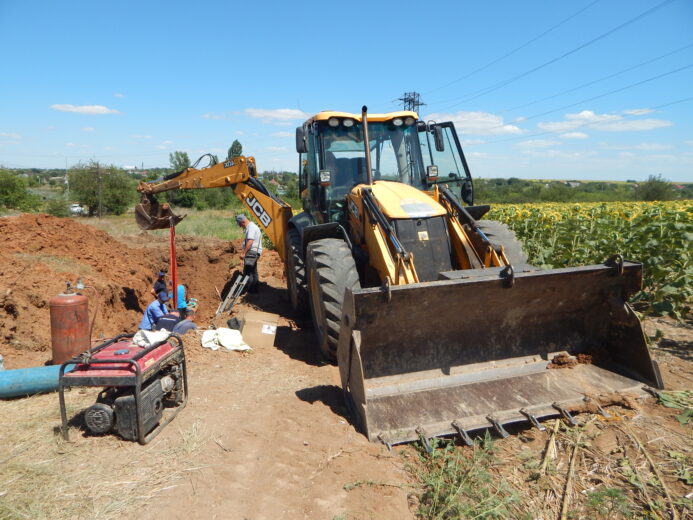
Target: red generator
[{"x": 144, "y": 388}]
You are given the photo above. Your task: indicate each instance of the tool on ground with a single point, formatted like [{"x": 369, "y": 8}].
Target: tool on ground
[
  {"x": 237, "y": 288},
  {"x": 436, "y": 319},
  {"x": 143, "y": 388}
]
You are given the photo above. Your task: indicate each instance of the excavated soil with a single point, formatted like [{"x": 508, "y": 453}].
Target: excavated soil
[{"x": 41, "y": 253}]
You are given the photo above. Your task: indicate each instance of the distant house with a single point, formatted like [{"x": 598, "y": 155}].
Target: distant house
[{"x": 573, "y": 184}]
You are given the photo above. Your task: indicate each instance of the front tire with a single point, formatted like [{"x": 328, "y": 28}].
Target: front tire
[
  {"x": 331, "y": 270},
  {"x": 499, "y": 233},
  {"x": 296, "y": 273}
]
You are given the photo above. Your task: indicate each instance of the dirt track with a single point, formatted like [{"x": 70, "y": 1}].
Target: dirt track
[{"x": 274, "y": 438}]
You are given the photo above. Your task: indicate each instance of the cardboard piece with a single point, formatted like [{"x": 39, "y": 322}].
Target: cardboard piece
[{"x": 258, "y": 328}]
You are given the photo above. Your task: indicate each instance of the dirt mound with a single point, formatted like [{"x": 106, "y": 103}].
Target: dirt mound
[{"x": 42, "y": 252}]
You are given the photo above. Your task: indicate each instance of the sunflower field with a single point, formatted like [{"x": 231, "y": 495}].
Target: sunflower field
[{"x": 658, "y": 234}]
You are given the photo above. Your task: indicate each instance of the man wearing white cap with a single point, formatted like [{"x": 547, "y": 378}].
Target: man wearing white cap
[{"x": 252, "y": 249}]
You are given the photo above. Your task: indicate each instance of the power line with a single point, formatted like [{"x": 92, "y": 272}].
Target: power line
[
  {"x": 621, "y": 89},
  {"x": 625, "y": 116},
  {"x": 508, "y": 54},
  {"x": 590, "y": 83},
  {"x": 487, "y": 90}
]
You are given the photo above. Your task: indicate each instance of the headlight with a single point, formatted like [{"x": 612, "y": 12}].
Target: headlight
[
  {"x": 333, "y": 121},
  {"x": 409, "y": 121},
  {"x": 348, "y": 123},
  {"x": 397, "y": 121}
]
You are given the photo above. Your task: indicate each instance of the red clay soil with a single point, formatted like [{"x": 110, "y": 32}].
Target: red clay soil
[{"x": 40, "y": 253}]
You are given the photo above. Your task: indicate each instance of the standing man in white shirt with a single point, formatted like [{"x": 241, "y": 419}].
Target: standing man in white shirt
[{"x": 252, "y": 249}]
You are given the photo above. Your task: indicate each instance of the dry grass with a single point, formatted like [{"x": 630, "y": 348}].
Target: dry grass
[
  {"x": 623, "y": 467},
  {"x": 44, "y": 477},
  {"x": 60, "y": 264}
]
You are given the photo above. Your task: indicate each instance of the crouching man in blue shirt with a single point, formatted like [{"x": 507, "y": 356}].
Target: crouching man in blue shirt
[{"x": 155, "y": 310}]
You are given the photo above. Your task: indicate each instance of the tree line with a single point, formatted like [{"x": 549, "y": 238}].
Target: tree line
[
  {"x": 107, "y": 189},
  {"x": 516, "y": 191}
]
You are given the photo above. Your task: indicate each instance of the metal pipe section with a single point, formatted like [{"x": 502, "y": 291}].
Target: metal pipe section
[{"x": 366, "y": 144}]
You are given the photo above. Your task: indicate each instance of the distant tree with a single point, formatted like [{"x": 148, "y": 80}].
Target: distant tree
[
  {"x": 14, "y": 192},
  {"x": 57, "y": 207},
  {"x": 179, "y": 161},
  {"x": 235, "y": 150},
  {"x": 215, "y": 159},
  {"x": 655, "y": 188},
  {"x": 110, "y": 187}
]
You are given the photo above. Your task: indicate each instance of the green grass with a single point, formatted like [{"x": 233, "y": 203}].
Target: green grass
[
  {"x": 207, "y": 223},
  {"x": 459, "y": 483}
]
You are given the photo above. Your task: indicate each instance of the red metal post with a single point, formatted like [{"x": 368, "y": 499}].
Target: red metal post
[{"x": 174, "y": 265}]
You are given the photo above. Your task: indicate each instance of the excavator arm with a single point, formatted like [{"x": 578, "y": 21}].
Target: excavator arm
[{"x": 240, "y": 174}]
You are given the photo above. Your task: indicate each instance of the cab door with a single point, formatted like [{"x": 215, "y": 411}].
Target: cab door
[{"x": 441, "y": 147}]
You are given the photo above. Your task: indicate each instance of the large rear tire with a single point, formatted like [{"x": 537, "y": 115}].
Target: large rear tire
[
  {"x": 499, "y": 233},
  {"x": 296, "y": 273},
  {"x": 331, "y": 269}
]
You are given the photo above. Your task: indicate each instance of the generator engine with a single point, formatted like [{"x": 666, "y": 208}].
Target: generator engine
[{"x": 144, "y": 388}]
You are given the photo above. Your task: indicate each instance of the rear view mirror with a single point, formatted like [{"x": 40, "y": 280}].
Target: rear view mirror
[
  {"x": 438, "y": 138},
  {"x": 468, "y": 192},
  {"x": 301, "y": 140}
]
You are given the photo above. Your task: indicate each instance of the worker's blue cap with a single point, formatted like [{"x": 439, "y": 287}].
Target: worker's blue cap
[
  {"x": 162, "y": 273},
  {"x": 240, "y": 218},
  {"x": 163, "y": 296}
]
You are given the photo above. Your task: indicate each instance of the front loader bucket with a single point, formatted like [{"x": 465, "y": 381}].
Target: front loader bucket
[
  {"x": 150, "y": 214},
  {"x": 477, "y": 350}
]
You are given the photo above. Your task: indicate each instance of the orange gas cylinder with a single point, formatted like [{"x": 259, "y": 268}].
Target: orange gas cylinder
[{"x": 69, "y": 326}]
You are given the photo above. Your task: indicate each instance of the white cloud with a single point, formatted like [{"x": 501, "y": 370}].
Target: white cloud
[
  {"x": 282, "y": 134},
  {"x": 85, "y": 109},
  {"x": 119, "y": 95},
  {"x": 604, "y": 122},
  {"x": 10, "y": 135},
  {"x": 88, "y": 129},
  {"x": 160, "y": 147},
  {"x": 278, "y": 116},
  {"x": 477, "y": 123},
  {"x": 471, "y": 142},
  {"x": 553, "y": 154},
  {"x": 574, "y": 135},
  {"x": 137, "y": 136},
  {"x": 537, "y": 143},
  {"x": 647, "y": 147},
  {"x": 638, "y": 111},
  {"x": 637, "y": 125},
  {"x": 688, "y": 142},
  {"x": 74, "y": 145},
  {"x": 239, "y": 132},
  {"x": 167, "y": 142},
  {"x": 213, "y": 115},
  {"x": 276, "y": 148}
]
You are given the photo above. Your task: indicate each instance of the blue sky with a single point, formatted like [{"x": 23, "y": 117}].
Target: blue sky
[{"x": 537, "y": 89}]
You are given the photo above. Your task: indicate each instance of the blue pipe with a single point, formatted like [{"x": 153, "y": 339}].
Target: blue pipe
[{"x": 28, "y": 381}]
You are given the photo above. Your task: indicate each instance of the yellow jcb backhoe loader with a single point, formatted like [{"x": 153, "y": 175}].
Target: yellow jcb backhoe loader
[{"x": 438, "y": 323}]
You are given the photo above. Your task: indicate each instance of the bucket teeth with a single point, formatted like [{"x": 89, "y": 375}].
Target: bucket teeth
[
  {"x": 463, "y": 433},
  {"x": 497, "y": 426},
  {"x": 533, "y": 419},
  {"x": 565, "y": 413}
]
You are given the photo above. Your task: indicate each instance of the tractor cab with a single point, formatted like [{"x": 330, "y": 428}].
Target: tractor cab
[{"x": 402, "y": 148}]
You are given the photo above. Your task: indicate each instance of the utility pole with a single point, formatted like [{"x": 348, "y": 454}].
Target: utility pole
[{"x": 411, "y": 101}]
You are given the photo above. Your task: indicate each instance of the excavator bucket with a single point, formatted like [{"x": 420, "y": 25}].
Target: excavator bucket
[
  {"x": 150, "y": 214},
  {"x": 480, "y": 349}
]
